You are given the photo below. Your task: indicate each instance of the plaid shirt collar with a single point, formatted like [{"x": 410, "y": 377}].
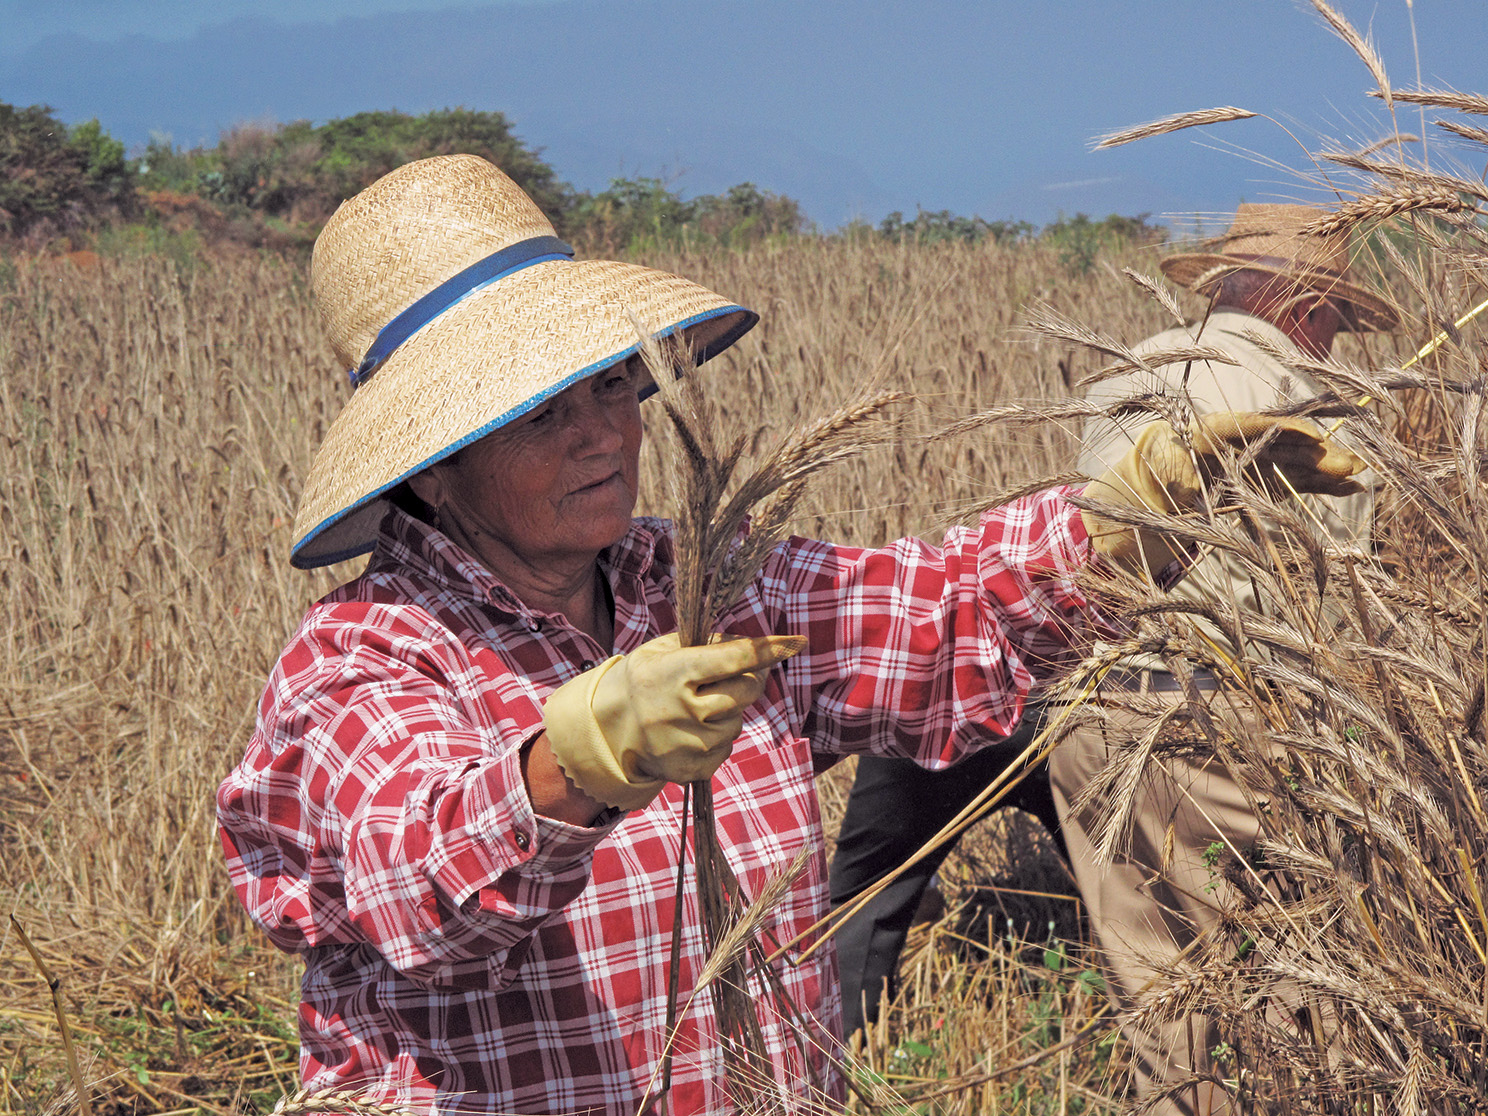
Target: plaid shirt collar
[{"x": 407, "y": 544}]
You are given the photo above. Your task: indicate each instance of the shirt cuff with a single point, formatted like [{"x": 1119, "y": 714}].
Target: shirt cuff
[{"x": 505, "y": 835}]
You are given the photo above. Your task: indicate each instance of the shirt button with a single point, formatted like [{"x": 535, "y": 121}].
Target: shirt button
[
  {"x": 533, "y": 625},
  {"x": 587, "y": 664},
  {"x": 522, "y": 840}
]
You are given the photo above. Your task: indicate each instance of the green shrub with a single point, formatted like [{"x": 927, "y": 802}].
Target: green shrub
[
  {"x": 943, "y": 226},
  {"x": 138, "y": 240},
  {"x": 1079, "y": 239},
  {"x": 300, "y": 172},
  {"x": 54, "y": 178},
  {"x": 642, "y": 214}
]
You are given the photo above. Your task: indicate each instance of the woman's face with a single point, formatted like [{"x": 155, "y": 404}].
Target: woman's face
[{"x": 554, "y": 487}]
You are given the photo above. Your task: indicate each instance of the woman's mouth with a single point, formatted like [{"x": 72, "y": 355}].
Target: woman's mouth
[{"x": 595, "y": 486}]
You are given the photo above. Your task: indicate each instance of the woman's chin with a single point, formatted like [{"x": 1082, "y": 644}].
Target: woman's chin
[{"x": 603, "y": 518}]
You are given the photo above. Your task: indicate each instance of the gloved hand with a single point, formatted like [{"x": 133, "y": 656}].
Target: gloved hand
[
  {"x": 661, "y": 714},
  {"x": 1161, "y": 473}
]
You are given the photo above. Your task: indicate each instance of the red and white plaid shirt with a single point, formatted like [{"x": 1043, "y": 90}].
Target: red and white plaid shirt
[{"x": 464, "y": 954}]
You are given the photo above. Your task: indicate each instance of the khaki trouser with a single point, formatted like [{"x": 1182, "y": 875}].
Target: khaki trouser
[{"x": 1141, "y": 909}]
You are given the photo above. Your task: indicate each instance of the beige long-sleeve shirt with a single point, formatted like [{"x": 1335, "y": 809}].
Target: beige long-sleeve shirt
[{"x": 1255, "y": 382}]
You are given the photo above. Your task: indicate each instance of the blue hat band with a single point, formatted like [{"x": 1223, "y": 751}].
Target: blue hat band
[{"x": 457, "y": 288}]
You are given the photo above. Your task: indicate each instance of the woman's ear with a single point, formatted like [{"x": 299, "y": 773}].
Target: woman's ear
[{"x": 429, "y": 486}]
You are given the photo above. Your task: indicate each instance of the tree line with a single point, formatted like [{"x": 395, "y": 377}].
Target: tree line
[{"x": 280, "y": 182}]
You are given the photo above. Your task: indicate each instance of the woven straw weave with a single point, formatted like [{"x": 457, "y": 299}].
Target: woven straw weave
[
  {"x": 1262, "y": 235},
  {"x": 483, "y": 362}
]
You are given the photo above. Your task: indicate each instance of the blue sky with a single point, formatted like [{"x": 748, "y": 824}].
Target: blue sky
[{"x": 855, "y": 108}]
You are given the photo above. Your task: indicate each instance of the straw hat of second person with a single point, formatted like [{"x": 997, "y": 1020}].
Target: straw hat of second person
[
  {"x": 446, "y": 293},
  {"x": 1274, "y": 238}
]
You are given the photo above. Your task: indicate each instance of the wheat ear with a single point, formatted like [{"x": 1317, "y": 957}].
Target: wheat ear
[{"x": 1175, "y": 123}]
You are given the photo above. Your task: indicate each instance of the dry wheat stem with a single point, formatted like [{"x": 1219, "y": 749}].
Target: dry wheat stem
[
  {"x": 1157, "y": 358},
  {"x": 54, "y": 985},
  {"x": 714, "y": 566},
  {"x": 705, "y": 475},
  {"x": 1038, "y": 749},
  {"x": 1396, "y": 140},
  {"x": 1173, "y": 123},
  {"x": 1045, "y": 320},
  {"x": 1011, "y": 415},
  {"x": 1409, "y": 175},
  {"x": 1402, "y": 680},
  {"x": 726, "y": 958},
  {"x": 777, "y": 485},
  {"x": 747, "y": 923},
  {"x": 347, "y": 1102},
  {"x": 972, "y": 510},
  {"x": 1161, "y": 293}
]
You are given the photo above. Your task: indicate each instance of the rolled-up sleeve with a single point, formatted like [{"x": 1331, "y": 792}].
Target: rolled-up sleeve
[{"x": 931, "y": 652}]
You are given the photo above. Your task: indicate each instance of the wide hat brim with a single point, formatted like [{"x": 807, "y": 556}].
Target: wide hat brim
[
  {"x": 496, "y": 355},
  {"x": 1362, "y": 310}
]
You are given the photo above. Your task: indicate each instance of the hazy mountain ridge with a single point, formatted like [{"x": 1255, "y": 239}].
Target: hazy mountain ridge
[{"x": 855, "y": 109}]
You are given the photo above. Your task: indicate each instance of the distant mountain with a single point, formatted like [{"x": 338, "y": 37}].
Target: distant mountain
[
  {"x": 853, "y": 107},
  {"x": 602, "y": 104}
]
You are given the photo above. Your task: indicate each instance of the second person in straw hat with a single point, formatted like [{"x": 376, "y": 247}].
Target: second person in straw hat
[
  {"x": 1278, "y": 295},
  {"x": 461, "y": 804}
]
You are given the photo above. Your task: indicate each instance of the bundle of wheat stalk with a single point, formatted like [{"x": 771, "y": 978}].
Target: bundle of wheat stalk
[
  {"x": 1350, "y": 972},
  {"x": 725, "y": 528}
]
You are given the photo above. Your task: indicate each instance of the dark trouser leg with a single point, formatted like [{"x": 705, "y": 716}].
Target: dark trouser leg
[{"x": 894, "y": 807}]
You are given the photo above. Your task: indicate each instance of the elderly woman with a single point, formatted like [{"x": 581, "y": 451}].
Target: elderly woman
[{"x": 460, "y": 804}]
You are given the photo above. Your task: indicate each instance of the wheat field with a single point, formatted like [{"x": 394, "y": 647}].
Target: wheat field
[
  {"x": 158, "y": 415},
  {"x": 159, "y": 411}
]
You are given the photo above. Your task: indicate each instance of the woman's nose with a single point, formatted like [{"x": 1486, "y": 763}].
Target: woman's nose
[{"x": 598, "y": 429}]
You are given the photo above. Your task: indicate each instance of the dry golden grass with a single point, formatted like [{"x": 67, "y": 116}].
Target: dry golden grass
[
  {"x": 156, "y": 422},
  {"x": 1202, "y": 118},
  {"x": 1350, "y": 970}
]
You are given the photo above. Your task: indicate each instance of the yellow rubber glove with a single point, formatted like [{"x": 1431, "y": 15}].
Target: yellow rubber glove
[
  {"x": 661, "y": 714},
  {"x": 1162, "y": 474}
]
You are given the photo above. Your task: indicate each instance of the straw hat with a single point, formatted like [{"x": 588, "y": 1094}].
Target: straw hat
[
  {"x": 1272, "y": 238},
  {"x": 444, "y": 290}
]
